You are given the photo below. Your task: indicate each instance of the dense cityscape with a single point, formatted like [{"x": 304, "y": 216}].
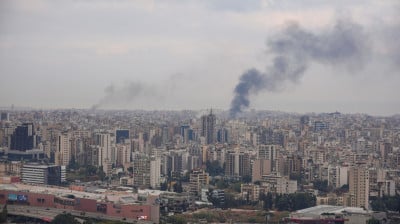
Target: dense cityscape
[
  {"x": 194, "y": 112},
  {"x": 178, "y": 166}
]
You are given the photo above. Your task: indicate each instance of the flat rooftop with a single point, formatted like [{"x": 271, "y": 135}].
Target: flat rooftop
[
  {"x": 121, "y": 197},
  {"x": 316, "y": 211}
]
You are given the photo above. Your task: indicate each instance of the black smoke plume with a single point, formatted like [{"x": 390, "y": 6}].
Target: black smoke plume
[{"x": 292, "y": 50}]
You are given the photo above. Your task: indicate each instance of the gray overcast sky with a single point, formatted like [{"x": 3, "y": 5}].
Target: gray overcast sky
[{"x": 170, "y": 54}]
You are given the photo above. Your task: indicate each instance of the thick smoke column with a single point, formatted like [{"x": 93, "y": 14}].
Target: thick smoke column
[{"x": 293, "y": 50}]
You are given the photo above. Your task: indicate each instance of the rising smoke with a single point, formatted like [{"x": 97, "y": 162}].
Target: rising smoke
[
  {"x": 292, "y": 51},
  {"x": 118, "y": 95},
  {"x": 136, "y": 93}
]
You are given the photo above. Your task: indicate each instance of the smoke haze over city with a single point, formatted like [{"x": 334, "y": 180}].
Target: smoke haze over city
[{"x": 302, "y": 56}]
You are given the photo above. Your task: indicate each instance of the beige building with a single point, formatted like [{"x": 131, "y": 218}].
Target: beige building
[
  {"x": 141, "y": 171},
  {"x": 123, "y": 155},
  {"x": 260, "y": 167},
  {"x": 250, "y": 192},
  {"x": 198, "y": 180},
  {"x": 63, "y": 152},
  {"x": 359, "y": 186},
  {"x": 155, "y": 172}
]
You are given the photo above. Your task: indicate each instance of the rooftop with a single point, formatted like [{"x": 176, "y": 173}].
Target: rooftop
[
  {"x": 321, "y": 209},
  {"x": 124, "y": 197}
]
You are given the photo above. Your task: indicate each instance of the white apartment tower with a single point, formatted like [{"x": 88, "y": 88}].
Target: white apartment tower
[{"x": 105, "y": 153}]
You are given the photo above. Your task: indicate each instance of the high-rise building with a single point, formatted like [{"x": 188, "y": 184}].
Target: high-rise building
[
  {"x": 23, "y": 137},
  {"x": 121, "y": 136},
  {"x": 123, "y": 155},
  {"x": 141, "y": 171},
  {"x": 260, "y": 167},
  {"x": 222, "y": 135},
  {"x": 4, "y": 116},
  {"x": 337, "y": 176},
  {"x": 184, "y": 131},
  {"x": 208, "y": 127},
  {"x": 237, "y": 164},
  {"x": 230, "y": 163},
  {"x": 105, "y": 154},
  {"x": 63, "y": 152},
  {"x": 175, "y": 162},
  {"x": 359, "y": 186},
  {"x": 268, "y": 152},
  {"x": 155, "y": 172}
]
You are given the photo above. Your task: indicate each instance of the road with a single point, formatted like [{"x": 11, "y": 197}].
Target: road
[{"x": 50, "y": 213}]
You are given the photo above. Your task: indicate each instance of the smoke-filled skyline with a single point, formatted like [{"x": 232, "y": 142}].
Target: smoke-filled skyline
[
  {"x": 121, "y": 54},
  {"x": 294, "y": 49}
]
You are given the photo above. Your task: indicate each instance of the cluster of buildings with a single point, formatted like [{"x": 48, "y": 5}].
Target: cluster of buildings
[
  {"x": 278, "y": 152},
  {"x": 114, "y": 203}
]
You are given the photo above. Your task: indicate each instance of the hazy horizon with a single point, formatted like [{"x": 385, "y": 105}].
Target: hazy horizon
[{"x": 191, "y": 55}]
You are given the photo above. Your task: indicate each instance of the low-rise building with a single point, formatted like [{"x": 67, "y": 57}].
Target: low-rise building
[{"x": 43, "y": 174}]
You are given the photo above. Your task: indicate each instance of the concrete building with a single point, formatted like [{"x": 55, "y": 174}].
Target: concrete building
[
  {"x": 237, "y": 164},
  {"x": 106, "y": 153},
  {"x": 208, "y": 128},
  {"x": 63, "y": 151},
  {"x": 269, "y": 152},
  {"x": 359, "y": 186},
  {"x": 337, "y": 176},
  {"x": 250, "y": 192},
  {"x": 43, "y": 174},
  {"x": 286, "y": 186},
  {"x": 23, "y": 137},
  {"x": 260, "y": 167},
  {"x": 123, "y": 155},
  {"x": 198, "y": 180},
  {"x": 141, "y": 171},
  {"x": 111, "y": 204},
  {"x": 331, "y": 214},
  {"x": 155, "y": 172},
  {"x": 121, "y": 135}
]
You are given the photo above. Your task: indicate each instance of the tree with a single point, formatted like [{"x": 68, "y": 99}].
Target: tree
[
  {"x": 91, "y": 170},
  {"x": 213, "y": 168},
  {"x": 391, "y": 203},
  {"x": 164, "y": 186},
  {"x": 89, "y": 221},
  {"x": 297, "y": 201},
  {"x": 378, "y": 204},
  {"x": 236, "y": 187},
  {"x": 176, "y": 219},
  {"x": 185, "y": 178},
  {"x": 282, "y": 203},
  {"x": 73, "y": 164},
  {"x": 101, "y": 173},
  {"x": 222, "y": 184},
  {"x": 231, "y": 202},
  {"x": 246, "y": 179},
  {"x": 321, "y": 185},
  {"x": 267, "y": 200},
  {"x": 178, "y": 187},
  {"x": 373, "y": 221},
  {"x": 4, "y": 214},
  {"x": 64, "y": 219},
  {"x": 130, "y": 170}
]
